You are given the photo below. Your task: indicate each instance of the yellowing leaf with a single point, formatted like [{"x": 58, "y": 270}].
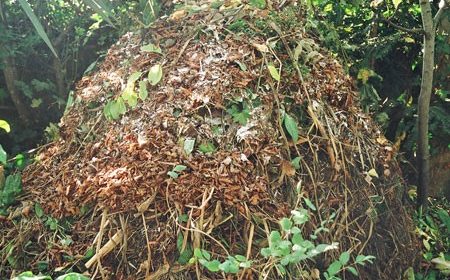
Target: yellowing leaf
[
  {"x": 274, "y": 72},
  {"x": 261, "y": 47},
  {"x": 155, "y": 74},
  {"x": 5, "y": 126},
  {"x": 177, "y": 15}
]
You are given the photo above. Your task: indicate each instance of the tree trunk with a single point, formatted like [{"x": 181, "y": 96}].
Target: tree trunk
[{"x": 426, "y": 87}]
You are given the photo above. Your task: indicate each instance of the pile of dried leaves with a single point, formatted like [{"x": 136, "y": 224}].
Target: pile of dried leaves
[{"x": 209, "y": 157}]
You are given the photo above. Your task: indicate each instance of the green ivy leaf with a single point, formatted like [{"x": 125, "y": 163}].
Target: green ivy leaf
[
  {"x": 155, "y": 74},
  {"x": 3, "y": 155},
  {"x": 291, "y": 126},
  {"x": 274, "y": 72},
  {"x": 5, "y": 126},
  {"x": 151, "y": 48},
  {"x": 143, "y": 93}
]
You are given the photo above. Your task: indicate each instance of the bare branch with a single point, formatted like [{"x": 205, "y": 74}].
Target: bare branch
[{"x": 404, "y": 29}]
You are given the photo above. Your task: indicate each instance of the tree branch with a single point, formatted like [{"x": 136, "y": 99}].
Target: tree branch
[{"x": 404, "y": 29}]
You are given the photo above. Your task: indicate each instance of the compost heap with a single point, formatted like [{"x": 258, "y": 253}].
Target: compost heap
[{"x": 146, "y": 170}]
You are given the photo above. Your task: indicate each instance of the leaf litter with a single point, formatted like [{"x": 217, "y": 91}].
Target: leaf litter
[{"x": 132, "y": 186}]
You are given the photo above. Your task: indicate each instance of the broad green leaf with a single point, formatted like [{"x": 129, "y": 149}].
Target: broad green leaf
[
  {"x": 274, "y": 72},
  {"x": 37, "y": 25},
  {"x": 291, "y": 126},
  {"x": 334, "y": 268},
  {"x": 143, "y": 93},
  {"x": 114, "y": 110},
  {"x": 151, "y": 48},
  {"x": 122, "y": 109},
  {"x": 188, "y": 145},
  {"x": 11, "y": 189},
  {"x": 396, "y": 3},
  {"x": 3, "y": 155},
  {"x": 344, "y": 258},
  {"x": 275, "y": 237},
  {"x": 229, "y": 267},
  {"x": 206, "y": 254},
  {"x": 240, "y": 258},
  {"x": 266, "y": 252},
  {"x": 300, "y": 216},
  {"x": 297, "y": 238},
  {"x": 198, "y": 253},
  {"x": 5, "y": 126},
  {"x": 130, "y": 97},
  {"x": 155, "y": 74},
  {"x": 179, "y": 168},
  {"x": 445, "y": 218},
  {"x": 286, "y": 224}
]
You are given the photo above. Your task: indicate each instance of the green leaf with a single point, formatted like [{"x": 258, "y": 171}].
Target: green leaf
[
  {"x": 266, "y": 252},
  {"x": 11, "y": 189},
  {"x": 28, "y": 275},
  {"x": 291, "y": 126},
  {"x": 260, "y": 4},
  {"x": 207, "y": 147},
  {"x": 334, "y": 268},
  {"x": 198, "y": 253},
  {"x": 188, "y": 145},
  {"x": 396, "y": 3},
  {"x": 300, "y": 216},
  {"x": 309, "y": 204},
  {"x": 5, "y": 126},
  {"x": 352, "y": 270},
  {"x": 275, "y": 237},
  {"x": 213, "y": 265},
  {"x": 130, "y": 97},
  {"x": 443, "y": 216},
  {"x": 344, "y": 258},
  {"x": 297, "y": 239},
  {"x": 155, "y": 74},
  {"x": 143, "y": 93},
  {"x": 151, "y": 48},
  {"x": 274, "y": 72},
  {"x": 133, "y": 78},
  {"x": 38, "y": 210},
  {"x": 172, "y": 174},
  {"x": 179, "y": 168},
  {"x": 296, "y": 163},
  {"x": 361, "y": 259},
  {"x": 37, "y": 25},
  {"x": 240, "y": 258},
  {"x": 229, "y": 267},
  {"x": 286, "y": 224},
  {"x": 72, "y": 276},
  {"x": 3, "y": 155},
  {"x": 241, "y": 65},
  {"x": 206, "y": 254}
]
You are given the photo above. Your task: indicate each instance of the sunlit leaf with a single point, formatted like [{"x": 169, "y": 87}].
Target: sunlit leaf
[
  {"x": 274, "y": 72},
  {"x": 37, "y": 25},
  {"x": 5, "y": 126},
  {"x": 189, "y": 145},
  {"x": 100, "y": 8},
  {"x": 396, "y": 3},
  {"x": 155, "y": 74}
]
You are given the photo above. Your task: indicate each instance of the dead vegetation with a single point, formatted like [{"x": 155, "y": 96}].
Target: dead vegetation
[{"x": 109, "y": 178}]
